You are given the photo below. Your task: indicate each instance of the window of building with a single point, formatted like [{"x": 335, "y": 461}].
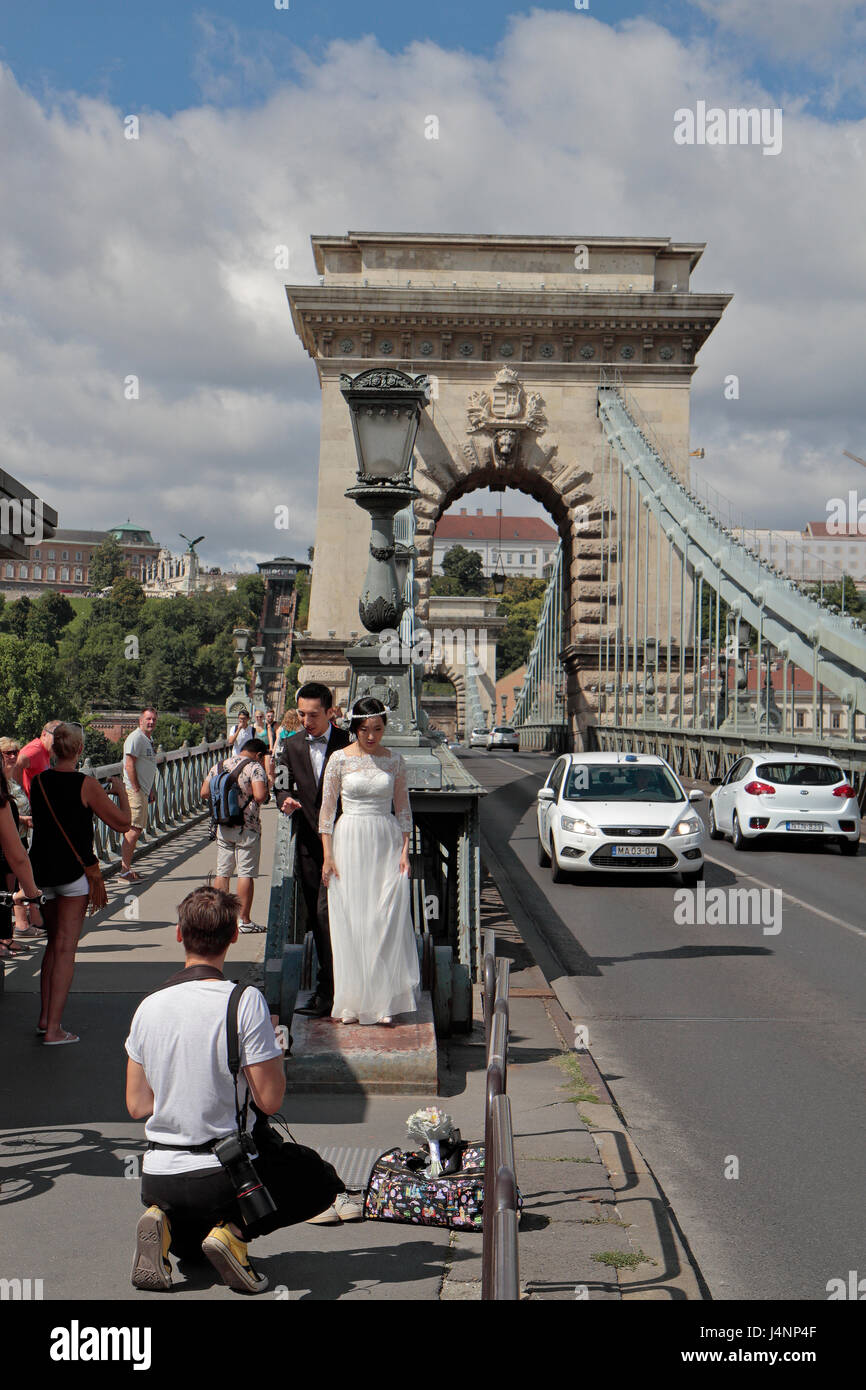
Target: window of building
[
  {"x": 521, "y": 559},
  {"x": 51, "y": 554},
  {"x": 837, "y": 721},
  {"x": 10, "y": 571},
  {"x": 37, "y": 571},
  {"x": 37, "y": 555},
  {"x": 508, "y": 559},
  {"x": 78, "y": 554},
  {"x": 65, "y": 555},
  {"x": 23, "y": 572},
  {"x": 64, "y": 576},
  {"x": 50, "y": 573},
  {"x": 79, "y": 577},
  {"x": 801, "y": 719}
]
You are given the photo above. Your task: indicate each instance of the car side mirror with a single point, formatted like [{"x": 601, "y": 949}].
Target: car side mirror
[
  {"x": 547, "y": 794},
  {"x": 696, "y": 795}
]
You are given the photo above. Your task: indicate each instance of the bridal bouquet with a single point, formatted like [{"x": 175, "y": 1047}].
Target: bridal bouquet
[{"x": 434, "y": 1128}]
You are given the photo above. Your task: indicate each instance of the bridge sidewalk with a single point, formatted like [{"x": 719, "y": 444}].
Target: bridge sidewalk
[{"x": 70, "y": 1155}]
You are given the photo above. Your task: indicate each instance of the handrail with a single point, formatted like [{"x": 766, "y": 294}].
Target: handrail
[
  {"x": 500, "y": 1278},
  {"x": 177, "y": 795},
  {"x": 489, "y": 982}
]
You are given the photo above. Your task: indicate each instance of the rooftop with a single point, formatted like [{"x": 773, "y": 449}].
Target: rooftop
[{"x": 462, "y": 526}]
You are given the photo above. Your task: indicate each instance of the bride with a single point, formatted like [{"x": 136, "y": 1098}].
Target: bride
[{"x": 366, "y": 872}]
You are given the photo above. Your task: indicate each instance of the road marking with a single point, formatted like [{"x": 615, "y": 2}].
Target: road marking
[
  {"x": 518, "y": 767},
  {"x": 818, "y": 912}
]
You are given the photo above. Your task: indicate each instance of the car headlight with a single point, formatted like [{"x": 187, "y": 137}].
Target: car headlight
[
  {"x": 577, "y": 827},
  {"x": 689, "y": 826}
]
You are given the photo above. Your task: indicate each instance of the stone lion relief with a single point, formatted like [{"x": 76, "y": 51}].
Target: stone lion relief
[{"x": 506, "y": 414}]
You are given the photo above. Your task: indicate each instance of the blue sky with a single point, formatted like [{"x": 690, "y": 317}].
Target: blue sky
[
  {"x": 161, "y": 54},
  {"x": 260, "y": 127}
]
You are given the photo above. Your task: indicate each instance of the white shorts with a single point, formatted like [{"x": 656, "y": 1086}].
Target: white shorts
[
  {"x": 237, "y": 846},
  {"x": 76, "y": 889}
]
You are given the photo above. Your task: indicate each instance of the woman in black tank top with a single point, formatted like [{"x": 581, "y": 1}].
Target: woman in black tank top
[{"x": 61, "y": 851}]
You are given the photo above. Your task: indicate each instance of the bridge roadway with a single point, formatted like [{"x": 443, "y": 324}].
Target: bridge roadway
[{"x": 718, "y": 1042}]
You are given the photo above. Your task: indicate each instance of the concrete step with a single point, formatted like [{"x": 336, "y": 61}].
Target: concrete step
[{"x": 335, "y": 1058}]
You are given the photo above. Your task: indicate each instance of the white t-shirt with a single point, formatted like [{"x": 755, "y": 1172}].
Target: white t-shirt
[
  {"x": 139, "y": 746},
  {"x": 178, "y": 1036}
]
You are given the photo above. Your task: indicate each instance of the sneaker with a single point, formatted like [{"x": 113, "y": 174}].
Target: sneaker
[
  {"x": 349, "y": 1206},
  {"x": 228, "y": 1255},
  {"x": 329, "y": 1217},
  {"x": 151, "y": 1268},
  {"x": 247, "y": 927}
]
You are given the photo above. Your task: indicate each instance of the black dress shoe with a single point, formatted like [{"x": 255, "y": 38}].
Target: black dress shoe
[{"x": 316, "y": 1007}]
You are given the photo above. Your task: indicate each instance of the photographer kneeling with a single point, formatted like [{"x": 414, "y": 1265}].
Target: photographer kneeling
[{"x": 208, "y": 1186}]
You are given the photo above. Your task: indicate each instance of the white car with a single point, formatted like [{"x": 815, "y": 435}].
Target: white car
[
  {"x": 606, "y": 812},
  {"x": 792, "y": 794},
  {"x": 478, "y": 738},
  {"x": 503, "y": 736}
]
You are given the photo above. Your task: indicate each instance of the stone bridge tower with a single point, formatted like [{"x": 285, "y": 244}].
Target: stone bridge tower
[{"x": 512, "y": 331}]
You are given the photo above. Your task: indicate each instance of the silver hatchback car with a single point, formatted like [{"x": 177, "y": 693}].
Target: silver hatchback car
[{"x": 503, "y": 736}]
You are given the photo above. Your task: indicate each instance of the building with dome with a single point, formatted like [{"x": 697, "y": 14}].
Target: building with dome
[{"x": 63, "y": 561}]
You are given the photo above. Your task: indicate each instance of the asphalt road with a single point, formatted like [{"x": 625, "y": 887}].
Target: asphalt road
[{"x": 736, "y": 1053}]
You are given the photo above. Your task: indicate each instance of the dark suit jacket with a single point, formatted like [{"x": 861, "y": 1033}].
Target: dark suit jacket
[{"x": 299, "y": 782}]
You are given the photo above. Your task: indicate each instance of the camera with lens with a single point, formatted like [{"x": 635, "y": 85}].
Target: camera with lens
[{"x": 253, "y": 1198}]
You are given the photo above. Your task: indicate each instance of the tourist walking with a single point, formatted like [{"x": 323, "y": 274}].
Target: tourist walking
[
  {"x": 35, "y": 756},
  {"x": 239, "y": 847},
  {"x": 301, "y": 765},
  {"x": 139, "y": 775},
  {"x": 366, "y": 871},
  {"x": 240, "y": 733},
  {"x": 64, "y": 802},
  {"x": 15, "y": 869},
  {"x": 28, "y": 921}
]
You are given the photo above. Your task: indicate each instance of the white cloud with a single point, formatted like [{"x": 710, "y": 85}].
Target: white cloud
[{"x": 156, "y": 257}]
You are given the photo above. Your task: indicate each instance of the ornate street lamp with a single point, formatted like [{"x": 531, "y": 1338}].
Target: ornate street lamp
[
  {"x": 650, "y": 662},
  {"x": 240, "y": 696},
  {"x": 385, "y": 406}
]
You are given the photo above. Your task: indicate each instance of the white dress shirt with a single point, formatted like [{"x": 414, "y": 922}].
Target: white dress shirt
[{"x": 318, "y": 752}]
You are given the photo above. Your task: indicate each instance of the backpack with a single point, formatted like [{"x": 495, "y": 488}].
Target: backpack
[{"x": 225, "y": 795}]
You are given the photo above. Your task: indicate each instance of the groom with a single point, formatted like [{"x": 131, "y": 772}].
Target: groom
[{"x": 300, "y": 769}]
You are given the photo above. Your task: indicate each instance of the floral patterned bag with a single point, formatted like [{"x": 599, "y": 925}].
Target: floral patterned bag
[{"x": 400, "y": 1190}]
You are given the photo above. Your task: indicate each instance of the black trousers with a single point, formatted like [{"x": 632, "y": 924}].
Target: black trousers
[
  {"x": 315, "y": 895},
  {"x": 300, "y": 1182}
]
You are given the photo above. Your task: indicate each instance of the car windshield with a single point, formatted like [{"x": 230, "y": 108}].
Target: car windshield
[
  {"x": 800, "y": 774},
  {"x": 621, "y": 782},
  {"x": 503, "y": 731}
]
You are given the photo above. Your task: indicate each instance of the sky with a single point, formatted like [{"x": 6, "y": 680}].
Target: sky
[{"x": 259, "y": 126}]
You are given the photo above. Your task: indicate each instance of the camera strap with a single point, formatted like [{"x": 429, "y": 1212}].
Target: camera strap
[{"x": 233, "y": 1051}]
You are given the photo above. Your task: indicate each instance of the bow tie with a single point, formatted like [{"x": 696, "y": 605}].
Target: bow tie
[{"x": 317, "y": 738}]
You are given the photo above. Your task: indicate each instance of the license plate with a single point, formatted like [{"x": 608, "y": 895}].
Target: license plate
[
  {"x": 810, "y": 827},
  {"x": 635, "y": 851}
]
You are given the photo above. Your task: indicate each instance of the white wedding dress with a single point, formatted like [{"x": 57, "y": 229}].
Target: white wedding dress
[{"x": 376, "y": 971}]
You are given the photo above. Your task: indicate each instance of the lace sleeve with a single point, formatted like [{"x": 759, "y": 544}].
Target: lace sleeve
[
  {"x": 402, "y": 809},
  {"x": 330, "y": 794}
]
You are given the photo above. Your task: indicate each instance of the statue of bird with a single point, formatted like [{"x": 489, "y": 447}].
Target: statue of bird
[{"x": 192, "y": 544}]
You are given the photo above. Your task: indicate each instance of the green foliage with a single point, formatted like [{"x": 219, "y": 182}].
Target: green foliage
[
  {"x": 48, "y": 616},
  {"x": 833, "y": 594},
  {"x": 16, "y": 616},
  {"x": 214, "y": 725},
  {"x": 171, "y": 730},
  {"x": 106, "y": 564},
  {"x": 99, "y": 749},
  {"x": 302, "y": 612},
  {"x": 520, "y": 605},
  {"x": 32, "y": 690},
  {"x": 463, "y": 571}
]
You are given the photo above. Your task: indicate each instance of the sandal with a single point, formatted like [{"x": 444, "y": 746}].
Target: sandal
[
  {"x": 14, "y": 949},
  {"x": 60, "y": 1042},
  {"x": 132, "y": 877}
]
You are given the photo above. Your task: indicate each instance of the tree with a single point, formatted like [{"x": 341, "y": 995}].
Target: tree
[
  {"x": 464, "y": 572},
  {"x": 32, "y": 690},
  {"x": 16, "y": 616},
  {"x": 844, "y": 588},
  {"x": 126, "y": 602},
  {"x": 106, "y": 564},
  {"x": 49, "y": 616},
  {"x": 520, "y": 605}
]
